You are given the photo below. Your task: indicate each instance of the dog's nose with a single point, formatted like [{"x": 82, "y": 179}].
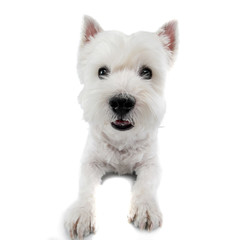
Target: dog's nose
[{"x": 122, "y": 104}]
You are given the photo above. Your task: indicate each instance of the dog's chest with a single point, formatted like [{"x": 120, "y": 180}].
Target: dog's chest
[{"x": 125, "y": 160}]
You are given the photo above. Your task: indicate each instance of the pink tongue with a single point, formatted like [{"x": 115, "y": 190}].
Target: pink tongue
[{"x": 121, "y": 122}]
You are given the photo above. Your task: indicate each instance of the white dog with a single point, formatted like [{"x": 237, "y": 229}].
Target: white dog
[{"x": 123, "y": 102}]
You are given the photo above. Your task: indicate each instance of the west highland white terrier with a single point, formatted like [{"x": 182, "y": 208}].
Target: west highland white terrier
[{"x": 123, "y": 102}]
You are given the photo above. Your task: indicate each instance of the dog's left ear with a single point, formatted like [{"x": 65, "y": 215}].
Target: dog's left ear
[
  {"x": 90, "y": 29},
  {"x": 168, "y": 33}
]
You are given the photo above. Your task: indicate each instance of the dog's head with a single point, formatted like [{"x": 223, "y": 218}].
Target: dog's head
[{"x": 123, "y": 77}]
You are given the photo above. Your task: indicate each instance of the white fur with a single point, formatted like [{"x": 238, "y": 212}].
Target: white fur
[{"x": 110, "y": 150}]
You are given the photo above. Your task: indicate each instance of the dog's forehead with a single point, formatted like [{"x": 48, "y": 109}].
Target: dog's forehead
[
  {"x": 123, "y": 51},
  {"x": 139, "y": 38}
]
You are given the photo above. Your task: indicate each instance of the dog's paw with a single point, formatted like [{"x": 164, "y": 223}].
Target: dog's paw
[
  {"x": 145, "y": 215},
  {"x": 79, "y": 221}
]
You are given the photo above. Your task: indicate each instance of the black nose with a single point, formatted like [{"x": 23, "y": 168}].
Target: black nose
[{"x": 122, "y": 104}]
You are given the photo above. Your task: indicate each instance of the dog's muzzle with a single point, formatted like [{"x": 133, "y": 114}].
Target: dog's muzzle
[{"x": 121, "y": 105}]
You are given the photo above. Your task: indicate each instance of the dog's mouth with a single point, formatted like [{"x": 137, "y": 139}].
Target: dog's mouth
[{"x": 122, "y": 125}]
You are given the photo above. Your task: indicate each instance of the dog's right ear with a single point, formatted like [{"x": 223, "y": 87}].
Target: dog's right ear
[{"x": 90, "y": 29}]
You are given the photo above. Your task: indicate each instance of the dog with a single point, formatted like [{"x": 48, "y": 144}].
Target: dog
[{"x": 123, "y": 79}]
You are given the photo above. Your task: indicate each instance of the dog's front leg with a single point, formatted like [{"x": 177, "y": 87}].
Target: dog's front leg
[
  {"x": 80, "y": 217},
  {"x": 144, "y": 211}
]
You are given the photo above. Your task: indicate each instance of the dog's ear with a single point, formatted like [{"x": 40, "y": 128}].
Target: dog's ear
[
  {"x": 169, "y": 36},
  {"x": 90, "y": 29}
]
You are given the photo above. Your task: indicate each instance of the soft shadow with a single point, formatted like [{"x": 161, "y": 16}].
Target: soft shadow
[{"x": 130, "y": 177}]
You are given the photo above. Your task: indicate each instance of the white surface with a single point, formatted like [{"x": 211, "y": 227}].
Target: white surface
[{"x": 42, "y": 133}]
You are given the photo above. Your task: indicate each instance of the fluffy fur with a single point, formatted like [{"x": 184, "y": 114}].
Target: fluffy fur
[{"x": 110, "y": 150}]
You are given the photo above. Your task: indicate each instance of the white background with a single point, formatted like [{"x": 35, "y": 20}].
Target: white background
[{"x": 42, "y": 133}]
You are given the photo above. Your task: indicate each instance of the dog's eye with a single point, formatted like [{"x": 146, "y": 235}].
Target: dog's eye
[
  {"x": 145, "y": 72},
  {"x": 103, "y": 72}
]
